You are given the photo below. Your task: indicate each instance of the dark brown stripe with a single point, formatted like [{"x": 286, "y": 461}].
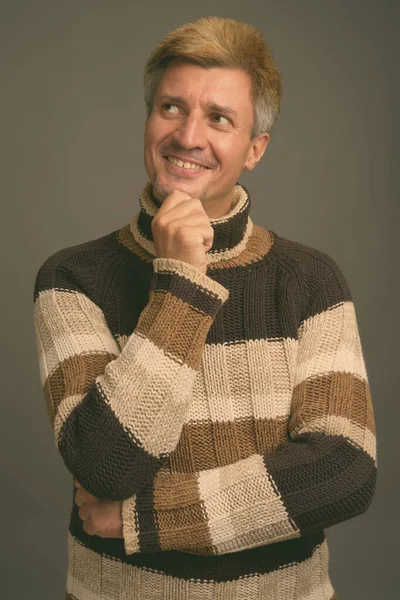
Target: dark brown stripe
[
  {"x": 200, "y": 299},
  {"x": 73, "y": 376},
  {"x": 146, "y": 521},
  {"x": 77, "y": 268},
  {"x": 322, "y": 479},
  {"x": 268, "y": 297},
  {"x": 105, "y": 458},
  {"x": 218, "y": 568}
]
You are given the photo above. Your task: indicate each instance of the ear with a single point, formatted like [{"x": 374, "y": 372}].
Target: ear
[{"x": 257, "y": 149}]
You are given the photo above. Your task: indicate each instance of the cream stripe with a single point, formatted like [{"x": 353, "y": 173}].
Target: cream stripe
[
  {"x": 43, "y": 367},
  {"x": 261, "y": 388},
  {"x": 330, "y": 342},
  {"x": 336, "y": 425},
  {"x": 69, "y": 324},
  {"x": 221, "y": 393},
  {"x": 89, "y": 343},
  {"x": 92, "y": 576},
  {"x": 228, "y": 494},
  {"x": 131, "y": 538},
  {"x": 158, "y": 389},
  {"x": 187, "y": 270}
]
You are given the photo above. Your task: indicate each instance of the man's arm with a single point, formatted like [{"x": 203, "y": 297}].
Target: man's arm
[
  {"x": 324, "y": 474},
  {"x": 117, "y": 415}
]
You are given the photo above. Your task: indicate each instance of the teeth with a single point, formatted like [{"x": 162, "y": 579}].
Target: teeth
[{"x": 180, "y": 163}]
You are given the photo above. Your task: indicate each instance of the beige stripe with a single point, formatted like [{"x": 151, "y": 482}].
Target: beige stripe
[
  {"x": 220, "y": 421},
  {"x": 68, "y": 324},
  {"x": 129, "y": 532},
  {"x": 158, "y": 389},
  {"x": 228, "y": 494},
  {"x": 220, "y": 391},
  {"x": 92, "y": 576},
  {"x": 330, "y": 341},
  {"x": 334, "y": 425},
  {"x": 223, "y": 392},
  {"x": 193, "y": 274},
  {"x": 259, "y": 242}
]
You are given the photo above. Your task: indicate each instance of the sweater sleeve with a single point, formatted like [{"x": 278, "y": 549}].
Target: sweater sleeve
[
  {"x": 117, "y": 414},
  {"x": 323, "y": 474}
]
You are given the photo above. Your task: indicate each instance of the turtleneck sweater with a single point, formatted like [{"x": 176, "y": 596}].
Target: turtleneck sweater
[{"x": 229, "y": 411}]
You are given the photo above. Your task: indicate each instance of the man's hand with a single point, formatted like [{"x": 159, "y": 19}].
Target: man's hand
[{"x": 100, "y": 517}]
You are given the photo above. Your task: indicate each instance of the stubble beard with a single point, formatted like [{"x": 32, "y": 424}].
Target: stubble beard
[{"x": 162, "y": 192}]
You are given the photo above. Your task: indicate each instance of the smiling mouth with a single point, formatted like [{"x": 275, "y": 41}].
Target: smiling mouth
[{"x": 185, "y": 171}]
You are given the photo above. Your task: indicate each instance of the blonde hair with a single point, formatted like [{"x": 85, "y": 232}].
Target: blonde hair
[{"x": 225, "y": 43}]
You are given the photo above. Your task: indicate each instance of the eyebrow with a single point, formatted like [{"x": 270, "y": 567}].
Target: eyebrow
[{"x": 228, "y": 110}]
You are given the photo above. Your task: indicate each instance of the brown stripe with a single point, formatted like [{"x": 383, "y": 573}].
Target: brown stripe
[
  {"x": 340, "y": 394},
  {"x": 74, "y": 376},
  {"x": 258, "y": 245},
  {"x": 221, "y": 443},
  {"x": 125, "y": 237},
  {"x": 175, "y": 326},
  {"x": 162, "y": 509}
]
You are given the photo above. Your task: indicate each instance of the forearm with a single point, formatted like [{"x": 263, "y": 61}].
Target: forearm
[
  {"x": 303, "y": 487},
  {"x": 323, "y": 474},
  {"x": 118, "y": 418}
]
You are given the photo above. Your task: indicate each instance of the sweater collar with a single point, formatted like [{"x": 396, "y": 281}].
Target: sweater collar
[{"x": 231, "y": 231}]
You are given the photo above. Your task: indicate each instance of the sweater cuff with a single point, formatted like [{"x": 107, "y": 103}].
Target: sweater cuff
[
  {"x": 130, "y": 530},
  {"x": 200, "y": 281}
]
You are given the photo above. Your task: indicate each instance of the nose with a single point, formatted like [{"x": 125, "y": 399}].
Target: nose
[{"x": 191, "y": 132}]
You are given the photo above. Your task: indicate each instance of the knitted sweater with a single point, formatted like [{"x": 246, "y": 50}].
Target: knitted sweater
[{"x": 230, "y": 411}]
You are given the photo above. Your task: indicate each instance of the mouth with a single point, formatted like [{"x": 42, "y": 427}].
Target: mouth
[{"x": 174, "y": 169}]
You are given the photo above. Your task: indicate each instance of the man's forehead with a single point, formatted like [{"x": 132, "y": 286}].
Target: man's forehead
[
  {"x": 226, "y": 95},
  {"x": 182, "y": 71}
]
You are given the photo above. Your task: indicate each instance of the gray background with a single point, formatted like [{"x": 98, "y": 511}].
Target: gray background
[{"x": 72, "y": 122}]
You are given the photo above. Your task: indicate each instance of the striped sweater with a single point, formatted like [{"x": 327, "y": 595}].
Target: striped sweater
[{"x": 230, "y": 411}]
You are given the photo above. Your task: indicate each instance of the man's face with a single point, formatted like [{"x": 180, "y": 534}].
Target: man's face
[{"x": 191, "y": 128}]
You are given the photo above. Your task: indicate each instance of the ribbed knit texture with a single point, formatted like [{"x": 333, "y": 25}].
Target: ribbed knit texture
[{"x": 229, "y": 411}]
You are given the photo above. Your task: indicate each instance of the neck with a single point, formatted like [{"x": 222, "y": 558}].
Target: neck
[{"x": 231, "y": 231}]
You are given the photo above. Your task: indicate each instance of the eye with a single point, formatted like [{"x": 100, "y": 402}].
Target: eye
[
  {"x": 227, "y": 120},
  {"x": 167, "y": 104}
]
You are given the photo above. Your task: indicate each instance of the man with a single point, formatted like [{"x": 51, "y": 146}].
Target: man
[{"x": 204, "y": 376}]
